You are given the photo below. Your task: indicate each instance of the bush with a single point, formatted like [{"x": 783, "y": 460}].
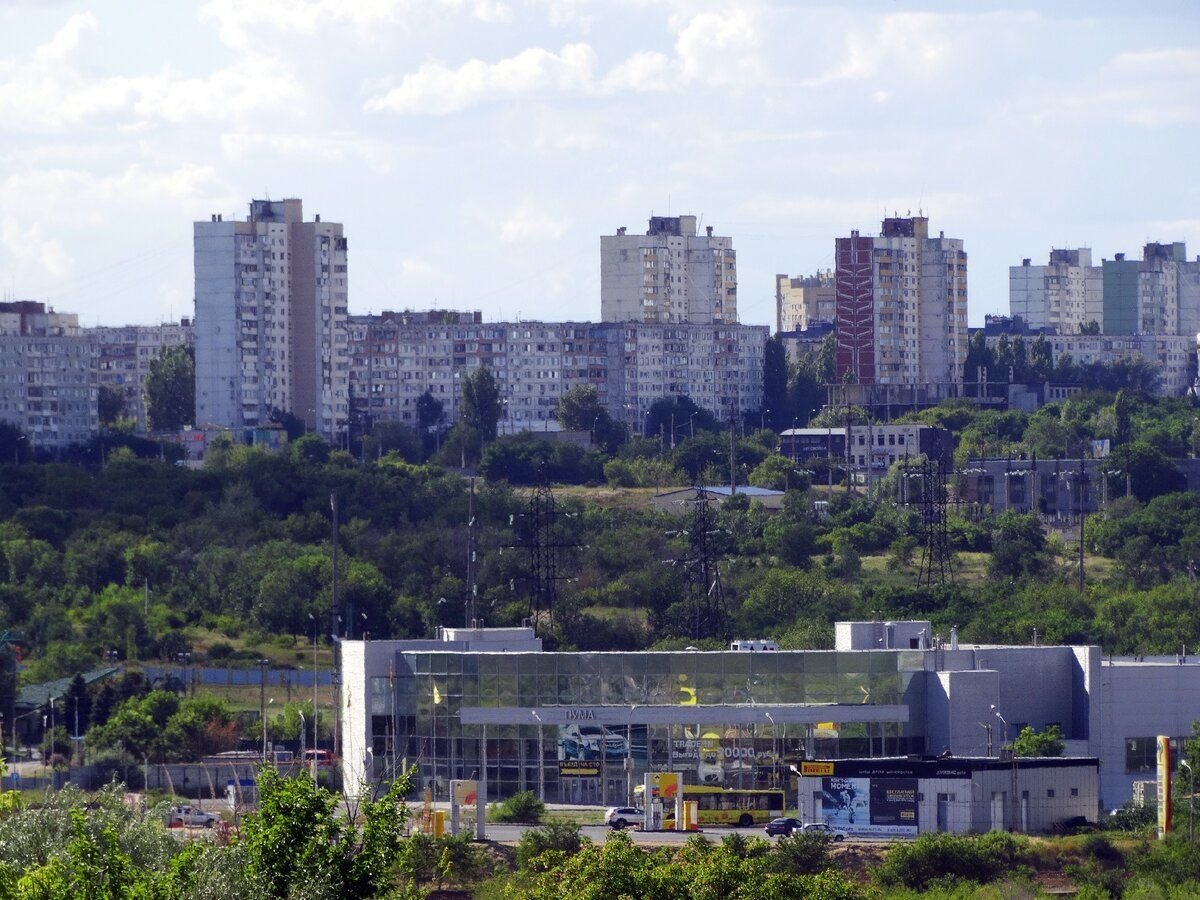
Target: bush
[
  {"x": 544, "y": 848},
  {"x": 935, "y": 857},
  {"x": 519, "y": 809},
  {"x": 801, "y": 853}
]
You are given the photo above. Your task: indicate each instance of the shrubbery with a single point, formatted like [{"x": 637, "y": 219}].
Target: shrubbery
[{"x": 519, "y": 809}]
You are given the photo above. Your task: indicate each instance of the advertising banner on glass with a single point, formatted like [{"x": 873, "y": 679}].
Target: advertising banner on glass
[
  {"x": 595, "y": 742},
  {"x": 870, "y": 805},
  {"x": 716, "y": 759}
]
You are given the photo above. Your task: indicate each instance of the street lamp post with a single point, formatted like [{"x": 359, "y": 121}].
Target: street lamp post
[
  {"x": 774, "y": 748},
  {"x": 1183, "y": 764},
  {"x": 262, "y": 702},
  {"x": 629, "y": 756},
  {"x": 541, "y": 757},
  {"x": 1016, "y": 786},
  {"x": 314, "y": 677}
]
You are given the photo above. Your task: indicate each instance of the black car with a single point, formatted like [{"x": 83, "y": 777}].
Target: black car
[{"x": 784, "y": 825}]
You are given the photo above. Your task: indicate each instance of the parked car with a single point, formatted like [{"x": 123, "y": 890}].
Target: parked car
[
  {"x": 618, "y": 817},
  {"x": 784, "y": 825},
  {"x": 822, "y": 828},
  {"x": 191, "y": 817}
]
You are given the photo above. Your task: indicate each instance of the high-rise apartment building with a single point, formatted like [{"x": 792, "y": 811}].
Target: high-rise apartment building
[
  {"x": 124, "y": 354},
  {"x": 48, "y": 385},
  {"x": 270, "y": 323},
  {"x": 801, "y": 303},
  {"x": 669, "y": 274},
  {"x": 397, "y": 357},
  {"x": 1156, "y": 295},
  {"x": 1067, "y": 294},
  {"x": 901, "y": 309}
]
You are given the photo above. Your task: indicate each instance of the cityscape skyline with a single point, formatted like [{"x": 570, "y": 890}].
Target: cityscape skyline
[{"x": 1017, "y": 131}]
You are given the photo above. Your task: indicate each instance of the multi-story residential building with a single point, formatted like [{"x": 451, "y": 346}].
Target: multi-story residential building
[
  {"x": 1173, "y": 356},
  {"x": 668, "y": 275},
  {"x": 397, "y": 357},
  {"x": 801, "y": 303},
  {"x": 1067, "y": 294},
  {"x": 124, "y": 356},
  {"x": 901, "y": 306},
  {"x": 270, "y": 324},
  {"x": 48, "y": 385}
]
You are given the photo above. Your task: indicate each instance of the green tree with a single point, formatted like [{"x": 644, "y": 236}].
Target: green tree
[
  {"x": 481, "y": 403},
  {"x": 171, "y": 389},
  {"x": 429, "y": 410},
  {"x": 1039, "y": 743},
  {"x": 775, "y": 398},
  {"x": 110, "y": 405},
  {"x": 297, "y": 844},
  {"x": 580, "y": 409}
]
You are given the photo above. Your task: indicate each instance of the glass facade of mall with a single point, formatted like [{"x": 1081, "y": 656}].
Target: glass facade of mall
[{"x": 417, "y": 712}]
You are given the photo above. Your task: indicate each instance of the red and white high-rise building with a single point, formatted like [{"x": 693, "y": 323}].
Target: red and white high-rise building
[{"x": 901, "y": 312}]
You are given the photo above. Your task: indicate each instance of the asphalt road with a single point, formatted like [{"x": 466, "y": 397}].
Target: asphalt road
[{"x": 510, "y": 834}]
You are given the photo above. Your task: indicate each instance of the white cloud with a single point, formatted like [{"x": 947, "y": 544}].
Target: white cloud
[
  {"x": 47, "y": 91},
  {"x": 527, "y": 222},
  {"x": 647, "y": 71},
  {"x": 1171, "y": 60},
  {"x": 237, "y": 146},
  {"x": 239, "y": 23},
  {"x": 27, "y": 244},
  {"x": 434, "y": 88},
  {"x": 67, "y": 39},
  {"x": 719, "y": 47},
  {"x": 75, "y": 191},
  {"x": 415, "y": 268}
]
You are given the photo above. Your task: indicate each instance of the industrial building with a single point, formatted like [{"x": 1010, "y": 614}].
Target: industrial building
[{"x": 493, "y": 702}]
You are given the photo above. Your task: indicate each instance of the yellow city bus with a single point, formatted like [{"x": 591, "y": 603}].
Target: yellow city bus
[{"x": 728, "y": 806}]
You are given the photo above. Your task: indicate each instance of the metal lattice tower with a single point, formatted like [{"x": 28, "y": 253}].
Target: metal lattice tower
[
  {"x": 543, "y": 541},
  {"x": 935, "y": 552},
  {"x": 702, "y": 572}
]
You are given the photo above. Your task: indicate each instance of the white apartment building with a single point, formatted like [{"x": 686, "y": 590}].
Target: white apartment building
[
  {"x": 1067, "y": 294},
  {"x": 48, "y": 379},
  {"x": 1173, "y": 355},
  {"x": 396, "y": 357},
  {"x": 803, "y": 302},
  {"x": 669, "y": 274},
  {"x": 270, "y": 323},
  {"x": 901, "y": 305},
  {"x": 124, "y": 355}
]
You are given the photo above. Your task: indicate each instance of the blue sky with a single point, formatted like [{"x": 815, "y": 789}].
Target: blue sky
[{"x": 476, "y": 149}]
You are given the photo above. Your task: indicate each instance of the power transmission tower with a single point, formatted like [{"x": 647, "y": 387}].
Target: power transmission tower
[
  {"x": 935, "y": 551},
  {"x": 542, "y": 540},
  {"x": 702, "y": 572}
]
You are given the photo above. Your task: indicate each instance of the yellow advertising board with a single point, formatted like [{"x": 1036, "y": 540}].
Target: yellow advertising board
[
  {"x": 1163, "y": 758},
  {"x": 816, "y": 768},
  {"x": 666, "y": 785},
  {"x": 578, "y": 768}
]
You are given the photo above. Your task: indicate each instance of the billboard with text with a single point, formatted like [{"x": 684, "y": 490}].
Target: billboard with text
[{"x": 870, "y": 805}]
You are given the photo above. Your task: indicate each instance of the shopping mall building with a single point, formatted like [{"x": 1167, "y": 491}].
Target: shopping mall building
[{"x": 584, "y": 727}]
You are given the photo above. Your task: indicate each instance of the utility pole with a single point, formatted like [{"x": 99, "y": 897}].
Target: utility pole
[
  {"x": 1082, "y": 483},
  {"x": 732, "y": 461},
  {"x": 471, "y": 586}
]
